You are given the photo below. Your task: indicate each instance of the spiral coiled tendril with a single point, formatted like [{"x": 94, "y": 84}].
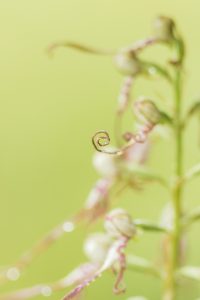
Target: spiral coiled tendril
[{"x": 101, "y": 139}]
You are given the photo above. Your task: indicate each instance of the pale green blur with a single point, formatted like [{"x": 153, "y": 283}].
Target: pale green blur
[{"x": 49, "y": 110}]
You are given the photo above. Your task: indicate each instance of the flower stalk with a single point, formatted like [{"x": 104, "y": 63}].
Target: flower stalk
[{"x": 177, "y": 190}]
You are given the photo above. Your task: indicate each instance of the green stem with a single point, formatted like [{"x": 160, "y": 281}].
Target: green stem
[
  {"x": 179, "y": 170},
  {"x": 173, "y": 260}
]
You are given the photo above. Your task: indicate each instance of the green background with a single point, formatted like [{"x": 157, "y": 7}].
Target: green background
[{"x": 49, "y": 110}]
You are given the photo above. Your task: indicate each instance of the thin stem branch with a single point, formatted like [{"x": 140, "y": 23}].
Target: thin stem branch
[
  {"x": 157, "y": 69},
  {"x": 79, "y": 47},
  {"x": 150, "y": 226}
]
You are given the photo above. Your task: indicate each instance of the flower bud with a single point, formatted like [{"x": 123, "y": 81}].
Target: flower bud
[
  {"x": 147, "y": 111},
  {"x": 119, "y": 223},
  {"x": 96, "y": 247},
  {"x": 164, "y": 29},
  {"x": 128, "y": 63},
  {"x": 105, "y": 164}
]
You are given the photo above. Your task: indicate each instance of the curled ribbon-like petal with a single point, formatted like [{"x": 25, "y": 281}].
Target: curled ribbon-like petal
[{"x": 100, "y": 140}]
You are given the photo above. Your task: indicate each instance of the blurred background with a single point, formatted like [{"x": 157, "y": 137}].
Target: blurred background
[{"x": 49, "y": 110}]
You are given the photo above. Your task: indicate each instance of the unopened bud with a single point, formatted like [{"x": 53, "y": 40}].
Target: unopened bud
[
  {"x": 164, "y": 29},
  {"x": 128, "y": 63},
  {"x": 119, "y": 223},
  {"x": 147, "y": 111},
  {"x": 96, "y": 247}
]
